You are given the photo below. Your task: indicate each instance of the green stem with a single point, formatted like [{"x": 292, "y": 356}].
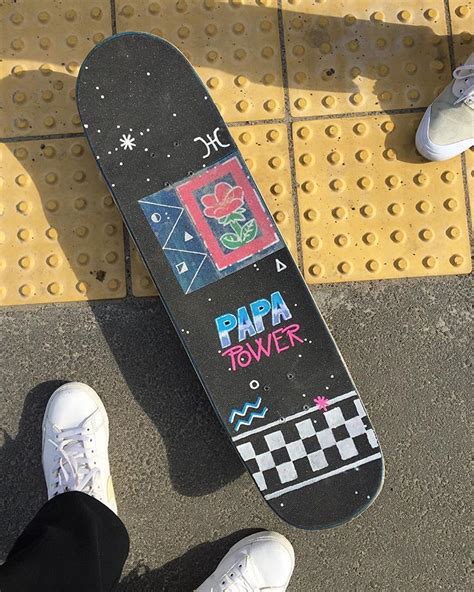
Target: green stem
[{"x": 237, "y": 229}]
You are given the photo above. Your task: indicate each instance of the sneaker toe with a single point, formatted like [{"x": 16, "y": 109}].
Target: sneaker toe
[
  {"x": 70, "y": 405},
  {"x": 274, "y": 560}
]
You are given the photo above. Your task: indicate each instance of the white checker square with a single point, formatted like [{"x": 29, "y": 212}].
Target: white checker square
[
  {"x": 260, "y": 480},
  {"x": 355, "y": 426},
  {"x": 265, "y": 461},
  {"x": 296, "y": 450},
  {"x": 305, "y": 428},
  {"x": 287, "y": 472},
  {"x": 275, "y": 440},
  {"x": 326, "y": 438},
  {"x": 246, "y": 451},
  {"x": 347, "y": 448},
  {"x": 317, "y": 460},
  {"x": 334, "y": 417},
  {"x": 372, "y": 438}
]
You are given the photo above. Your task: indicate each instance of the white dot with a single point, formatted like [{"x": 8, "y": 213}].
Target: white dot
[
  {"x": 86, "y": 67},
  {"x": 86, "y": 125},
  {"x": 368, "y": 497},
  {"x": 102, "y": 97},
  {"x": 327, "y": 388},
  {"x": 97, "y": 88},
  {"x": 282, "y": 505},
  {"x": 148, "y": 179},
  {"x": 97, "y": 157},
  {"x": 147, "y": 129},
  {"x": 131, "y": 129},
  {"x": 121, "y": 163},
  {"x": 118, "y": 127},
  {"x": 141, "y": 133},
  {"x": 168, "y": 156},
  {"x": 187, "y": 332},
  {"x": 146, "y": 149},
  {"x": 174, "y": 114},
  {"x": 113, "y": 184},
  {"x": 332, "y": 376},
  {"x": 109, "y": 152},
  {"x": 148, "y": 73},
  {"x": 98, "y": 131},
  {"x": 356, "y": 492},
  {"x": 116, "y": 149},
  {"x": 304, "y": 395},
  {"x": 209, "y": 299},
  {"x": 296, "y": 305}
]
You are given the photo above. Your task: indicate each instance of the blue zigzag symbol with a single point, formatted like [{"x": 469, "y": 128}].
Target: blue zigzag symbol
[{"x": 247, "y": 420}]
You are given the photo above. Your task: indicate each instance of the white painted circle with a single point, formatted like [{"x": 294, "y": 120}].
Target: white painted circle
[
  {"x": 254, "y": 384},
  {"x": 155, "y": 217}
]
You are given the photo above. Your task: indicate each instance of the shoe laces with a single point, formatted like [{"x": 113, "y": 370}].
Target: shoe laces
[
  {"x": 466, "y": 73},
  {"x": 73, "y": 471},
  {"x": 235, "y": 581}
]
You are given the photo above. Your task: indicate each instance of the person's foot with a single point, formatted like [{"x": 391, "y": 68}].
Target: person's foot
[
  {"x": 75, "y": 442},
  {"x": 259, "y": 562},
  {"x": 447, "y": 127}
]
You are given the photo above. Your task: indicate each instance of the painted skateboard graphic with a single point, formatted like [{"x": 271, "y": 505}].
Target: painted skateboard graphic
[{"x": 236, "y": 297}]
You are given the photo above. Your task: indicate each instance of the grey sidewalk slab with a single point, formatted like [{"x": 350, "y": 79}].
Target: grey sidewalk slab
[{"x": 181, "y": 489}]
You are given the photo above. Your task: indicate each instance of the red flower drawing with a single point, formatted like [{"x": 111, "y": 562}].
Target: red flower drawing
[{"x": 225, "y": 200}]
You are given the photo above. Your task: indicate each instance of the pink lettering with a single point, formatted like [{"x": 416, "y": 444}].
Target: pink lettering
[
  {"x": 243, "y": 355},
  {"x": 278, "y": 334}
]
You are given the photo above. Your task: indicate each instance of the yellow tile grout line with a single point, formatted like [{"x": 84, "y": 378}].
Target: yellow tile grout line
[{"x": 288, "y": 121}]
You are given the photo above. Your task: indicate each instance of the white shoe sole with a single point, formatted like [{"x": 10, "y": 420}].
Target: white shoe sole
[{"x": 431, "y": 151}]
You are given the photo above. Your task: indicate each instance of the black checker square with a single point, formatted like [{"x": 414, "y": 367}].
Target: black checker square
[
  {"x": 340, "y": 433},
  {"x": 281, "y": 456}
]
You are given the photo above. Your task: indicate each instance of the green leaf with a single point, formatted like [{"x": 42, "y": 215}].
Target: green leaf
[
  {"x": 234, "y": 217},
  {"x": 231, "y": 241},
  {"x": 249, "y": 231}
]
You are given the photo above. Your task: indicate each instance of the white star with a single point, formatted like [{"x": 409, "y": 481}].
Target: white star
[{"x": 126, "y": 141}]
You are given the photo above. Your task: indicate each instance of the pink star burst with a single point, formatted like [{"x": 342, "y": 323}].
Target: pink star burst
[{"x": 321, "y": 403}]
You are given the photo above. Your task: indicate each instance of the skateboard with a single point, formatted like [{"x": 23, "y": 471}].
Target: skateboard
[{"x": 249, "y": 324}]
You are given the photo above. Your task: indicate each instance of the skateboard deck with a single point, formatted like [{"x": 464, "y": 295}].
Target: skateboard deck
[{"x": 235, "y": 296}]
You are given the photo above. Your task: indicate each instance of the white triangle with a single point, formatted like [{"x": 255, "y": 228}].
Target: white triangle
[
  {"x": 280, "y": 266},
  {"x": 182, "y": 267},
  {"x": 187, "y": 237}
]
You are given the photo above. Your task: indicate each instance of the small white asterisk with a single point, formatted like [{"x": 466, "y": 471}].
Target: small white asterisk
[{"x": 126, "y": 141}]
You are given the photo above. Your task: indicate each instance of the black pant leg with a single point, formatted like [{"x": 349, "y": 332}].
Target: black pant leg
[{"x": 73, "y": 544}]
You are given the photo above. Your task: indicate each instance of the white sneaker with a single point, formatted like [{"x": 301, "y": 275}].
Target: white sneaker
[
  {"x": 75, "y": 441},
  {"x": 447, "y": 127},
  {"x": 259, "y": 562}
]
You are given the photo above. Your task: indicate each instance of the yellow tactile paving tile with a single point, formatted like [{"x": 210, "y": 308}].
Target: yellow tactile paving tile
[
  {"x": 43, "y": 44},
  {"x": 234, "y": 45},
  {"x": 265, "y": 149},
  {"x": 61, "y": 237},
  {"x": 353, "y": 57},
  {"x": 371, "y": 207},
  {"x": 462, "y": 24},
  {"x": 142, "y": 284}
]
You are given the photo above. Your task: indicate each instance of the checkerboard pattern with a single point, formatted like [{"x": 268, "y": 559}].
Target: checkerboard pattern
[{"x": 316, "y": 443}]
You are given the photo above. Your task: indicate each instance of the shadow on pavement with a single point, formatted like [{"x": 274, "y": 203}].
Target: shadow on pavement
[
  {"x": 184, "y": 573},
  {"x": 20, "y": 467}
]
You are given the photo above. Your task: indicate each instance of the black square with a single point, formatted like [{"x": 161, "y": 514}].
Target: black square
[
  {"x": 311, "y": 444},
  {"x": 340, "y": 433},
  {"x": 280, "y": 456},
  {"x": 259, "y": 444}
]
